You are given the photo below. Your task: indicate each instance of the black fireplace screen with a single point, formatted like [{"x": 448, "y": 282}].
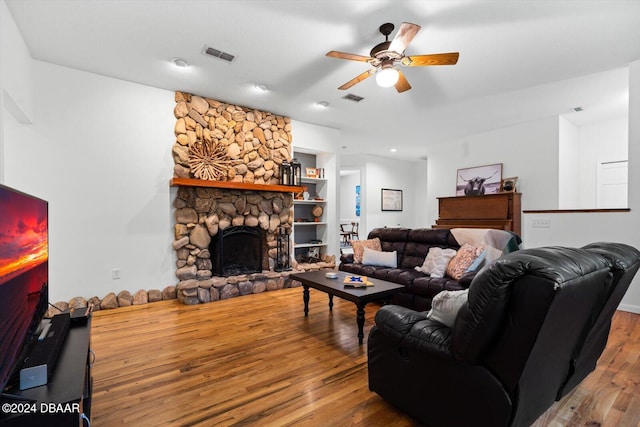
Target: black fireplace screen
[{"x": 237, "y": 250}]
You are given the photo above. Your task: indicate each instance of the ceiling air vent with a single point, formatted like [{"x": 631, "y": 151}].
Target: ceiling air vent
[
  {"x": 218, "y": 54},
  {"x": 352, "y": 97}
]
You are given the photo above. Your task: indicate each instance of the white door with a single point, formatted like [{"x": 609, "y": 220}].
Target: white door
[{"x": 612, "y": 184}]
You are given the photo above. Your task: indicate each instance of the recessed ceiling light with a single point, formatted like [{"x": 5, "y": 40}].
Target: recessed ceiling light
[
  {"x": 261, "y": 87},
  {"x": 179, "y": 62},
  {"x": 322, "y": 104},
  {"x": 393, "y": 150}
]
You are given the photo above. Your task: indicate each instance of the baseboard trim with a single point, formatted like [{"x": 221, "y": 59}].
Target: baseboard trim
[{"x": 630, "y": 308}]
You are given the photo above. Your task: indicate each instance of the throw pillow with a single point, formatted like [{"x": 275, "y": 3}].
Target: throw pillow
[
  {"x": 379, "y": 258},
  {"x": 463, "y": 259},
  {"x": 435, "y": 264},
  {"x": 445, "y": 306},
  {"x": 478, "y": 262},
  {"x": 359, "y": 245}
]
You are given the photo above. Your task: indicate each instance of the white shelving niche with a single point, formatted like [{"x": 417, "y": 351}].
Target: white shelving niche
[{"x": 310, "y": 234}]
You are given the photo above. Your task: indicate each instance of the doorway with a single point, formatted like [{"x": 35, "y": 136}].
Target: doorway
[
  {"x": 612, "y": 184},
  {"x": 351, "y": 207}
]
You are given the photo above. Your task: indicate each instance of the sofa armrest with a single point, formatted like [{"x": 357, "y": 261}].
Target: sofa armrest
[
  {"x": 396, "y": 321},
  {"x": 346, "y": 258},
  {"x": 412, "y": 330}
]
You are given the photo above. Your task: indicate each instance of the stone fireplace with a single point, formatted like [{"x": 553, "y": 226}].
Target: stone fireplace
[
  {"x": 227, "y": 170},
  {"x": 207, "y": 216}
]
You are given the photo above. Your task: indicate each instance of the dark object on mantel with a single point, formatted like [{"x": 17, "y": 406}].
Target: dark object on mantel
[
  {"x": 285, "y": 173},
  {"x": 499, "y": 211}
]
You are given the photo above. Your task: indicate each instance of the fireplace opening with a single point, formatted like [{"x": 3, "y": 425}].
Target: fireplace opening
[{"x": 237, "y": 250}]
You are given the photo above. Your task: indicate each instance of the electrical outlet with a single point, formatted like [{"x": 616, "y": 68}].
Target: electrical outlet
[
  {"x": 115, "y": 273},
  {"x": 541, "y": 223}
]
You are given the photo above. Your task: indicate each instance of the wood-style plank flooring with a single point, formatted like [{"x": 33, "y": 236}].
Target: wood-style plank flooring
[{"x": 256, "y": 360}]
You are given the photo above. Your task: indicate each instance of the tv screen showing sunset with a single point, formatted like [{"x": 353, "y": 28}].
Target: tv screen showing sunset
[
  {"x": 24, "y": 273},
  {"x": 23, "y": 233}
]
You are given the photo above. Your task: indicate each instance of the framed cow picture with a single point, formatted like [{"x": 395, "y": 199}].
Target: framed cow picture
[{"x": 479, "y": 180}]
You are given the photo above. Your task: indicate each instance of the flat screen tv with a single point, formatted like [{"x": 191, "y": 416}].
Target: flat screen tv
[{"x": 24, "y": 274}]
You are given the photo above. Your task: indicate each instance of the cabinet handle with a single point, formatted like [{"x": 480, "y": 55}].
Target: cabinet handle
[
  {"x": 92, "y": 358},
  {"x": 85, "y": 420}
]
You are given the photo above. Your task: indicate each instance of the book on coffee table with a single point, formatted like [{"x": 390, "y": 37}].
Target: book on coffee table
[{"x": 357, "y": 282}]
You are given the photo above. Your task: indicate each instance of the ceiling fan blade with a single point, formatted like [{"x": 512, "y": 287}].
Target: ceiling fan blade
[
  {"x": 403, "y": 37},
  {"x": 433, "y": 59},
  {"x": 349, "y": 56},
  {"x": 402, "y": 84},
  {"x": 357, "y": 79}
]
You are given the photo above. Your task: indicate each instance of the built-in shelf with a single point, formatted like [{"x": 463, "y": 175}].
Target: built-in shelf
[
  {"x": 230, "y": 185},
  {"x": 309, "y": 245},
  {"x": 307, "y": 180},
  {"x": 309, "y": 223},
  {"x": 308, "y": 202}
]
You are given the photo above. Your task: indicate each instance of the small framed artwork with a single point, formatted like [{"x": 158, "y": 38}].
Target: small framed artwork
[
  {"x": 391, "y": 200},
  {"x": 479, "y": 180},
  {"x": 508, "y": 185},
  {"x": 311, "y": 172}
]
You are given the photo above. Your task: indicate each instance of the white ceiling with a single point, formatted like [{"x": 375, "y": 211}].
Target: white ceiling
[{"x": 519, "y": 60}]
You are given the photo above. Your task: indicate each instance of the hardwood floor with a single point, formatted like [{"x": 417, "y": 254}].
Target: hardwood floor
[{"x": 255, "y": 360}]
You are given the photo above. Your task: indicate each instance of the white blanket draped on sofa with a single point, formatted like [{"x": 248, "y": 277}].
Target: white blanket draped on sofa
[{"x": 495, "y": 242}]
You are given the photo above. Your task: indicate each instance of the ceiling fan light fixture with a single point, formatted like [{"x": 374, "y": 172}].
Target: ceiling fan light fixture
[{"x": 387, "y": 77}]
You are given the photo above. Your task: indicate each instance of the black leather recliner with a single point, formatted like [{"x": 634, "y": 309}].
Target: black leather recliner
[
  {"x": 529, "y": 318},
  {"x": 625, "y": 261}
]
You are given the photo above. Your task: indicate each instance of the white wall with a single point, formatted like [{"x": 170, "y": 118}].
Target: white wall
[
  {"x": 569, "y": 183},
  {"x": 581, "y": 149},
  {"x": 384, "y": 172},
  {"x": 16, "y": 97},
  {"x": 599, "y": 142},
  {"x": 99, "y": 150},
  {"x": 347, "y": 203},
  {"x": 528, "y": 151}
]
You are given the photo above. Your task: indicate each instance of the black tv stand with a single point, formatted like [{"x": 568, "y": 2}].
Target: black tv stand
[
  {"x": 12, "y": 397},
  {"x": 66, "y": 399},
  {"x": 41, "y": 361}
]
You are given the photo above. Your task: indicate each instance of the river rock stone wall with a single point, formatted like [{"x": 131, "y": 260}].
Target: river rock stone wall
[{"x": 255, "y": 142}]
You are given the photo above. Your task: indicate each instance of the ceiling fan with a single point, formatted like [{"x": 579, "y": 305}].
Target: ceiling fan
[{"x": 384, "y": 56}]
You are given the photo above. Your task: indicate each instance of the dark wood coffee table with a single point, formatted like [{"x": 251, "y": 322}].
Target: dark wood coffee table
[{"x": 381, "y": 290}]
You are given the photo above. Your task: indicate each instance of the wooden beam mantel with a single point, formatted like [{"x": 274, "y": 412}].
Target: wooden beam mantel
[{"x": 230, "y": 185}]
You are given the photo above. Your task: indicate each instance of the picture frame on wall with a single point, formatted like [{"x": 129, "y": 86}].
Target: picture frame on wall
[
  {"x": 508, "y": 185},
  {"x": 391, "y": 199},
  {"x": 479, "y": 180}
]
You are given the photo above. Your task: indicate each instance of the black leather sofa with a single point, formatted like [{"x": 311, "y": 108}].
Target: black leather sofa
[
  {"x": 534, "y": 325},
  {"x": 412, "y": 246}
]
